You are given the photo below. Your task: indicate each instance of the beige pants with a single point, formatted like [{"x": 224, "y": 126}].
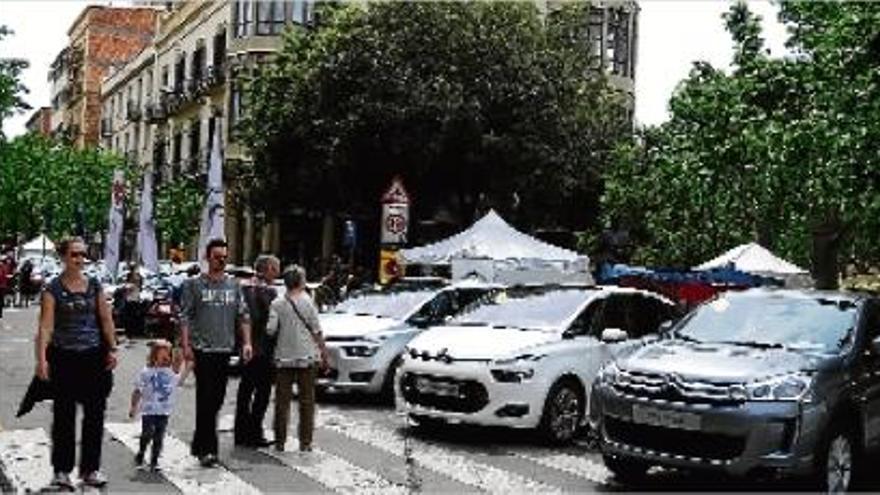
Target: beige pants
[{"x": 305, "y": 384}]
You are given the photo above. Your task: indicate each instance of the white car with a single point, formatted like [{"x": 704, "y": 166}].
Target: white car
[
  {"x": 527, "y": 359},
  {"x": 367, "y": 334}
]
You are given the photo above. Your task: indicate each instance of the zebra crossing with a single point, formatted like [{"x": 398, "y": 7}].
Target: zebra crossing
[{"x": 413, "y": 462}]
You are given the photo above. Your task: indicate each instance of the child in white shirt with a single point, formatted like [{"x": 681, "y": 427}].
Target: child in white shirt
[{"x": 154, "y": 390}]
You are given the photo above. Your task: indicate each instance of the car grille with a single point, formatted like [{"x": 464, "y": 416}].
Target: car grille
[
  {"x": 672, "y": 388},
  {"x": 690, "y": 444},
  {"x": 471, "y": 398}
]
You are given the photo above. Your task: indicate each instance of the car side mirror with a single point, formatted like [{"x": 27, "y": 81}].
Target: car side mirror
[
  {"x": 875, "y": 346},
  {"x": 611, "y": 335}
]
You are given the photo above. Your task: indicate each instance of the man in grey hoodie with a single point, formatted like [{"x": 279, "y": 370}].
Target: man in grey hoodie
[{"x": 212, "y": 307}]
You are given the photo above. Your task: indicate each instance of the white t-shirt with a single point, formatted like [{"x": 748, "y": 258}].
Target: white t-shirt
[{"x": 157, "y": 387}]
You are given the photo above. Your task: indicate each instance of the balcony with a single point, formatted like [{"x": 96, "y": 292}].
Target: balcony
[
  {"x": 215, "y": 76},
  {"x": 133, "y": 111},
  {"x": 157, "y": 111}
]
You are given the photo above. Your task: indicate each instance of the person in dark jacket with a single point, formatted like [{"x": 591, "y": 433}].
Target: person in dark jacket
[
  {"x": 255, "y": 386},
  {"x": 76, "y": 320}
]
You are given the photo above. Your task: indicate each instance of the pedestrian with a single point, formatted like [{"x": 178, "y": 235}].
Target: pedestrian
[
  {"x": 4, "y": 282},
  {"x": 299, "y": 352},
  {"x": 255, "y": 386},
  {"x": 153, "y": 395},
  {"x": 212, "y": 308},
  {"x": 26, "y": 283},
  {"x": 75, "y": 322}
]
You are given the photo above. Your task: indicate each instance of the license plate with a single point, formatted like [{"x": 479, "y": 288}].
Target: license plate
[
  {"x": 425, "y": 386},
  {"x": 668, "y": 419}
]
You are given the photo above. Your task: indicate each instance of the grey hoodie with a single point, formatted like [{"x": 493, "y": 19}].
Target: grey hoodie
[{"x": 212, "y": 310}]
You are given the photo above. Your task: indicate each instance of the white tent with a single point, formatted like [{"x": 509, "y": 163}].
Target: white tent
[
  {"x": 35, "y": 247},
  {"x": 489, "y": 238},
  {"x": 754, "y": 259}
]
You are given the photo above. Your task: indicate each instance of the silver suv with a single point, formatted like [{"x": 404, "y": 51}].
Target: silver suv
[{"x": 762, "y": 380}]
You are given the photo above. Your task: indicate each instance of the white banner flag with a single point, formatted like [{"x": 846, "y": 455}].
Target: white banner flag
[
  {"x": 213, "y": 224},
  {"x": 114, "y": 224},
  {"x": 146, "y": 239}
]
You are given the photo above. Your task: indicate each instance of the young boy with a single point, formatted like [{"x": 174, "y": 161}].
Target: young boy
[{"x": 154, "y": 390}]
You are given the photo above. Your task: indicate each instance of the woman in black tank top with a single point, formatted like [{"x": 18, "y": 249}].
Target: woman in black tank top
[{"x": 76, "y": 321}]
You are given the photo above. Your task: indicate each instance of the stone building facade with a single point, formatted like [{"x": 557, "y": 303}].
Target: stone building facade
[{"x": 40, "y": 121}]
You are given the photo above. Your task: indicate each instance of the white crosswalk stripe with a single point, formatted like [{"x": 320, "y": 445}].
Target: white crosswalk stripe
[
  {"x": 579, "y": 466},
  {"x": 335, "y": 472},
  {"x": 458, "y": 467},
  {"x": 25, "y": 459},
  {"x": 182, "y": 469}
]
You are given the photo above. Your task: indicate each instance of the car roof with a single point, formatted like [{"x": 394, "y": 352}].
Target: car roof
[{"x": 853, "y": 296}]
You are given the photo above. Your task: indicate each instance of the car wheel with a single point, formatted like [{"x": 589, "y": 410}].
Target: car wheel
[
  {"x": 626, "y": 470},
  {"x": 388, "y": 382},
  {"x": 836, "y": 468},
  {"x": 426, "y": 423},
  {"x": 562, "y": 413}
]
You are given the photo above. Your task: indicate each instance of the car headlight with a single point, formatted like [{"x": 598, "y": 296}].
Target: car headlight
[
  {"x": 522, "y": 358},
  {"x": 793, "y": 387},
  {"x": 513, "y": 375},
  {"x": 360, "y": 350}
]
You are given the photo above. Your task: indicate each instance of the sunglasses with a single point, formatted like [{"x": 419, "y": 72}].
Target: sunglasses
[
  {"x": 77, "y": 254},
  {"x": 219, "y": 258}
]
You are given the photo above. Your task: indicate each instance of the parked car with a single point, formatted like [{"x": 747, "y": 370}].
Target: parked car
[
  {"x": 763, "y": 380},
  {"x": 366, "y": 335},
  {"x": 527, "y": 359}
]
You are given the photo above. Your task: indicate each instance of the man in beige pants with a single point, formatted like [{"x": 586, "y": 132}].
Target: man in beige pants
[{"x": 299, "y": 352}]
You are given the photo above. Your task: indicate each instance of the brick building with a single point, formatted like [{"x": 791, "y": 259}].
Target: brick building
[
  {"x": 100, "y": 38},
  {"x": 40, "y": 121}
]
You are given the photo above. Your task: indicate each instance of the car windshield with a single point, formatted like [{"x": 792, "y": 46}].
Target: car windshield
[
  {"x": 808, "y": 323},
  {"x": 397, "y": 305},
  {"x": 541, "y": 310}
]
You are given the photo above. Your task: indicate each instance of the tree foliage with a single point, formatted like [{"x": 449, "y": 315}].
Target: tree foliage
[
  {"x": 43, "y": 184},
  {"x": 472, "y": 103},
  {"x": 766, "y": 152},
  {"x": 11, "y": 87},
  {"x": 178, "y": 204}
]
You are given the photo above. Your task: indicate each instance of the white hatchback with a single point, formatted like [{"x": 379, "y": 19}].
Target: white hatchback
[{"x": 527, "y": 359}]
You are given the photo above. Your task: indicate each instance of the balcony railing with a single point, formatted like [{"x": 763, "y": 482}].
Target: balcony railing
[
  {"x": 133, "y": 111},
  {"x": 157, "y": 111}
]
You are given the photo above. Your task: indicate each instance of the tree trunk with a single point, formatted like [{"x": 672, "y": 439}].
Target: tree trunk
[{"x": 827, "y": 234}]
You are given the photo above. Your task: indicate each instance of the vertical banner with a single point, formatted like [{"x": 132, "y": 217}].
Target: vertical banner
[
  {"x": 147, "y": 247},
  {"x": 213, "y": 225},
  {"x": 114, "y": 224}
]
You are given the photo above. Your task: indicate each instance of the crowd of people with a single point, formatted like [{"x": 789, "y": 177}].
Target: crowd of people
[
  {"x": 19, "y": 282},
  {"x": 277, "y": 336}
]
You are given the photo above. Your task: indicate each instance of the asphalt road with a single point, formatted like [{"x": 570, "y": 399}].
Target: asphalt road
[{"x": 362, "y": 445}]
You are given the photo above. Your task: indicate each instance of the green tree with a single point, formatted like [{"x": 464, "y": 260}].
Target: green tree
[
  {"x": 465, "y": 100},
  {"x": 766, "y": 152},
  {"x": 178, "y": 204},
  {"x": 11, "y": 87},
  {"x": 43, "y": 183}
]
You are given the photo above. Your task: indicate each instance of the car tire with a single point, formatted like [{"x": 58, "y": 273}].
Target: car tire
[
  {"x": 426, "y": 423},
  {"x": 626, "y": 471},
  {"x": 838, "y": 460},
  {"x": 563, "y": 412},
  {"x": 387, "y": 391}
]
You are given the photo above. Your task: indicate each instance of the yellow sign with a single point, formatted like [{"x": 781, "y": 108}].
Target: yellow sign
[{"x": 390, "y": 267}]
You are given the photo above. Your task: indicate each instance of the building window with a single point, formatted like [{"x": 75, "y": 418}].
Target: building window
[
  {"x": 243, "y": 13},
  {"x": 180, "y": 72},
  {"x": 176, "y": 144},
  {"x": 198, "y": 62},
  {"x": 301, "y": 11},
  {"x": 195, "y": 141},
  {"x": 165, "y": 82},
  {"x": 596, "y": 35},
  {"x": 234, "y": 103},
  {"x": 618, "y": 34},
  {"x": 219, "y": 49}
]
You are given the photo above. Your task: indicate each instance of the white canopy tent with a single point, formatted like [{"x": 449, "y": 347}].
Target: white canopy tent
[
  {"x": 492, "y": 240},
  {"x": 36, "y": 247},
  {"x": 755, "y": 259}
]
